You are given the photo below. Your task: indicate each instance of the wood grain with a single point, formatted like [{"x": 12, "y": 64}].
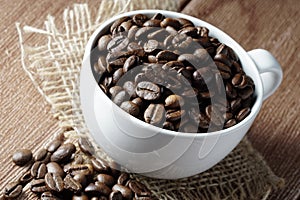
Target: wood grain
[{"x": 26, "y": 121}]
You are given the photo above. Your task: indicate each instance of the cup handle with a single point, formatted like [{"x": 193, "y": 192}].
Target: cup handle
[{"x": 269, "y": 70}]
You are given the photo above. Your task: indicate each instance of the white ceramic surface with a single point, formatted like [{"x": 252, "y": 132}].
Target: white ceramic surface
[{"x": 155, "y": 152}]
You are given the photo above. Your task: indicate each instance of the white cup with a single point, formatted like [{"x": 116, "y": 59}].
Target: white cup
[{"x": 160, "y": 153}]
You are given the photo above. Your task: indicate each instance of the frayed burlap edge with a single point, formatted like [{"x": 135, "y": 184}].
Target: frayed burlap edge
[{"x": 53, "y": 64}]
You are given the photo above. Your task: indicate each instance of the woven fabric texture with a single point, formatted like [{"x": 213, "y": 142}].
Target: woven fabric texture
[{"x": 53, "y": 64}]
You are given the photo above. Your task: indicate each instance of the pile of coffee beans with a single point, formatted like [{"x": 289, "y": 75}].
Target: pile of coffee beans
[
  {"x": 62, "y": 171},
  {"x": 172, "y": 74}
]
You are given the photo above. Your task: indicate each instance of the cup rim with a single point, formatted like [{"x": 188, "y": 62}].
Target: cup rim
[{"x": 233, "y": 44}]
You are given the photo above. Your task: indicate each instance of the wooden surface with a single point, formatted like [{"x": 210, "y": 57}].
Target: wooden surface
[{"x": 26, "y": 121}]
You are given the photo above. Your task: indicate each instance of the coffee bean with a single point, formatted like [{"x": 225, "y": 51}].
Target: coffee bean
[
  {"x": 86, "y": 169},
  {"x": 100, "y": 66},
  {"x": 230, "y": 123},
  {"x": 139, "y": 19},
  {"x": 184, "y": 43},
  {"x": 117, "y": 75},
  {"x": 38, "y": 170},
  {"x": 235, "y": 104},
  {"x": 129, "y": 87},
  {"x": 125, "y": 191},
  {"x": 126, "y": 25},
  {"x": 166, "y": 56},
  {"x": 55, "y": 168},
  {"x": 38, "y": 186},
  {"x": 117, "y": 44},
  {"x": 115, "y": 195},
  {"x": 123, "y": 178},
  {"x": 121, "y": 97},
  {"x": 53, "y": 145},
  {"x": 100, "y": 165},
  {"x": 189, "y": 31},
  {"x": 104, "y": 189},
  {"x": 130, "y": 63},
  {"x": 106, "y": 179},
  {"x": 230, "y": 91},
  {"x": 152, "y": 23},
  {"x": 40, "y": 154},
  {"x": 103, "y": 42},
  {"x": 154, "y": 114},
  {"x": 118, "y": 22},
  {"x": 22, "y": 157},
  {"x": 130, "y": 107},
  {"x": 170, "y": 22},
  {"x": 49, "y": 196},
  {"x": 86, "y": 146},
  {"x": 54, "y": 182},
  {"x": 148, "y": 90},
  {"x": 184, "y": 22},
  {"x": 25, "y": 178},
  {"x": 246, "y": 92},
  {"x": 214, "y": 115},
  {"x": 12, "y": 190},
  {"x": 63, "y": 153},
  {"x": 174, "y": 101},
  {"x": 173, "y": 115},
  {"x": 151, "y": 45},
  {"x": 158, "y": 16},
  {"x": 223, "y": 59},
  {"x": 243, "y": 114},
  {"x": 113, "y": 91},
  {"x": 139, "y": 188},
  {"x": 81, "y": 197},
  {"x": 71, "y": 184},
  {"x": 142, "y": 33}
]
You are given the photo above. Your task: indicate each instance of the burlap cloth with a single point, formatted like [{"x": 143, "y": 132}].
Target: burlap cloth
[{"x": 53, "y": 64}]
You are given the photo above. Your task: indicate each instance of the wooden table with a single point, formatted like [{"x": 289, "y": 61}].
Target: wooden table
[{"x": 26, "y": 121}]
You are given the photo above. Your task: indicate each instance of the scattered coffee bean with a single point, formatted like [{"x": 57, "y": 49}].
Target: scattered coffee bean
[
  {"x": 49, "y": 196},
  {"x": 125, "y": 191},
  {"x": 38, "y": 170},
  {"x": 63, "y": 153},
  {"x": 38, "y": 186},
  {"x": 86, "y": 146},
  {"x": 22, "y": 157},
  {"x": 53, "y": 145},
  {"x": 13, "y": 190}
]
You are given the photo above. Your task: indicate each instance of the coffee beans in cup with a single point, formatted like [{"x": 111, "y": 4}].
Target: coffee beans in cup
[{"x": 172, "y": 74}]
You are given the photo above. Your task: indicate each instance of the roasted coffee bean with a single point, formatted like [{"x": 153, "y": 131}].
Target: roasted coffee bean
[
  {"x": 25, "y": 178},
  {"x": 115, "y": 195},
  {"x": 130, "y": 63},
  {"x": 121, "y": 97},
  {"x": 168, "y": 125},
  {"x": 166, "y": 56},
  {"x": 117, "y": 75},
  {"x": 158, "y": 16},
  {"x": 126, "y": 25},
  {"x": 173, "y": 115},
  {"x": 125, "y": 191},
  {"x": 100, "y": 166},
  {"x": 243, "y": 114},
  {"x": 118, "y": 22},
  {"x": 183, "y": 42},
  {"x": 54, "y": 182},
  {"x": 235, "y": 104},
  {"x": 143, "y": 32},
  {"x": 139, "y": 188},
  {"x": 214, "y": 115},
  {"x": 113, "y": 91},
  {"x": 106, "y": 179},
  {"x": 22, "y": 157},
  {"x": 49, "y": 196},
  {"x": 154, "y": 114},
  {"x": 71, "y": 184},
  {"x": 148, "y": 90},
  {"x": 184, "y": 22},
  {"x": 80, "y": 178},
  {"x": 12, "y": 190},
  {"x": 152, "y": 23},
  {"x": 151, "y": 45},
  {"x": 174, "y": 101},
  {"x": 246, "y": 92},
  {"x": 170, "y": 22},
  {"x": 230, "y": 91},
  {"x": 53, "y": 145},
  {"x": 38, "y": 186},
  {"x": 86, "y": 169},
  {"x": 86, "y": 146},
  {"x": 139, "y": 19},
  {"x": 123, "y": 178},
  {"x": 116, "y": 63},
  {"x": 190, "y": 59},
  {"x": 63, "y": 153},
  {"x": 130, "y": 107},
  {"x": 40, "y": 154},
  {"x": 230, "y": 123},
  {"x": 223, "y": 59},
  {"x": 143, "y": 198},
  {"x": 117, "y": 44},
  {"x": 202, "y": 76},
  {"x": 55, "y": 168},
  {"x": 129, "y": 87},
  {"x": 158, "y": 35},
  {"x": 80, "y": 197},
  {"x": 38, "y": 170},
  {"x": 225, "y": 70},
  {"x": 104, "y": 189},
  {"x": 189, "y": 31},
  {"x": 100, "y": 66},
  {"x": 103, "y": 42}
]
